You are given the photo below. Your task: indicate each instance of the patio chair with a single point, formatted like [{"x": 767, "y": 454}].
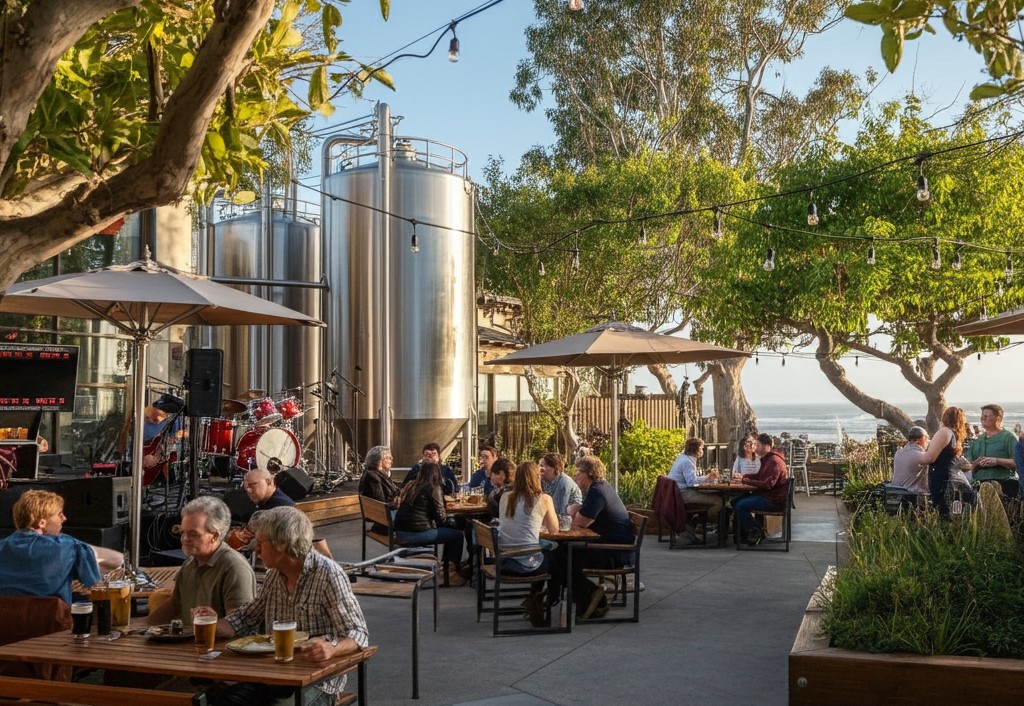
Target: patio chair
[
  {"x": 24, "y": 617},
  {"x": 506, "y": 585},
  {"x": 673, "y": 514},
  {"x": 786, "y": 513},
  {"x": 376, "y": 513},
  {"x": 620, "y": 599},
  {"x": 796, "y": 462}
]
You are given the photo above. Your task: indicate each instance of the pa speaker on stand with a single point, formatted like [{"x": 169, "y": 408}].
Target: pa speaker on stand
[{"x": 205, "y": 379}]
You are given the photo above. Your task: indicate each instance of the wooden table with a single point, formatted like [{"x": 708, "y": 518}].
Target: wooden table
[
  {"x": 573, "y": 537},
  {"x": 409, "y": 590},
  {"x": 727, "y": 491},
  {"x": 135, "y": 653},
  {"x": 162, "y": 576},
  {"x": 459, "y": 507}
]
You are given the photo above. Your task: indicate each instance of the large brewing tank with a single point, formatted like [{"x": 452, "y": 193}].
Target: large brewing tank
[
  {"x": 431, "y": 324},
  {"x": 266, "y": 244}
]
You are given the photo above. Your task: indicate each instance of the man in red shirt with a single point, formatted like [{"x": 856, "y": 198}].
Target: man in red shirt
[{"x": 770, "y": 494}]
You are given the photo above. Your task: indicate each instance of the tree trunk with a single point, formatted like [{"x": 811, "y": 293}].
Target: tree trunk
[{"x": 735, "y": 416}]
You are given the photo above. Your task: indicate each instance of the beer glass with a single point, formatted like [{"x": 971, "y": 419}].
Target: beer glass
[
  {"x": 205, "y": 629},
  {"x": 81, "y": 620},
  {"x": 101, "y": 607},
  {"x": 120, "y": 593},
  {"x": 284, "y": 640},
  {"x": 564, "y": 523}
]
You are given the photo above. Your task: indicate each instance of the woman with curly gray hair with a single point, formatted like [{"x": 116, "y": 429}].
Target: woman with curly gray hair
[{"x": 376, "y": 482}]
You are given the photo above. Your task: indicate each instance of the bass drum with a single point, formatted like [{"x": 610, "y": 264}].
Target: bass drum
[{"x": 259, "y": 445}]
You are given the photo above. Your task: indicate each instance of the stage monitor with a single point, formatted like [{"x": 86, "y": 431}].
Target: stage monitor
[{"x": 37, "y": 377}]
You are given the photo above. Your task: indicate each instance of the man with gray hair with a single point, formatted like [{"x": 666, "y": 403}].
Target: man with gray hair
[
  {"x": 214, "y": 574},
  {"x": 909, "y": 469},
  {"x": 301, "y": 585}
]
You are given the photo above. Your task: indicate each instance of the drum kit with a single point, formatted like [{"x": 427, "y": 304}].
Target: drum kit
[{"x": 256, "y": 430}]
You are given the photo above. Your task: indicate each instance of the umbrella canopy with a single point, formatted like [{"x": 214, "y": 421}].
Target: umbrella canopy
[
  {"x": 612, "y": 347},
  {"x": 142, "y": 299},
  {"x": 1007, "y": 324}
]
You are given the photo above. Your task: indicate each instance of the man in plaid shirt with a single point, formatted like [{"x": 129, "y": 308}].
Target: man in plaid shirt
[{"x": 301, "y": 585}]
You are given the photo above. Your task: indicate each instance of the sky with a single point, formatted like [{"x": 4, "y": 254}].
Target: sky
[{"x": 465, "y": 104}]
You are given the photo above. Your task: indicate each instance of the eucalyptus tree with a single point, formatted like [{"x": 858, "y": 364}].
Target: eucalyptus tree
[
  {"x": 111, "y": 106},
  {"x": 887, "y": 272}
]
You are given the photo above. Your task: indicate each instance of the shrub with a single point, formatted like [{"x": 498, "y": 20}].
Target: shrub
[
  {"x": 645, "y": 449},
  {"x": 637, "y": 487}
]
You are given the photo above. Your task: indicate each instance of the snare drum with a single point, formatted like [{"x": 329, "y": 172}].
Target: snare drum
[
  {"x": 259, "y": 445},
  {"x": 217, "y": 437},
  {"x": 264, "y": 411}
]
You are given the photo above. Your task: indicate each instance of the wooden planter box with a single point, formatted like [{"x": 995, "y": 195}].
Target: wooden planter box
[{"x": 819, "y": 674}]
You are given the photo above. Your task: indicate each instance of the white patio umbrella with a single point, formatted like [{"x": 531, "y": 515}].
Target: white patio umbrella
[
  {"x": 142, "y": 299},
  {"x": 611, "y": 348}
]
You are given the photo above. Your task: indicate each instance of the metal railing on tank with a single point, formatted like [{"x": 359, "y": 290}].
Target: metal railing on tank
[{"x": 429, "y": 153}]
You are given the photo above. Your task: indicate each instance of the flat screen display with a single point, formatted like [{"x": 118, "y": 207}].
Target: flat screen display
[{"x": 38, "y": 377}]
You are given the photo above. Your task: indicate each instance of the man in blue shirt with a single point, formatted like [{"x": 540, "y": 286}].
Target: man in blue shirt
[
  {"x": 482, "y": 476},
  {"x": 38, "y": 560},
  {"x": 684, "y": 473},
  {"x": 432, "y": 454}
]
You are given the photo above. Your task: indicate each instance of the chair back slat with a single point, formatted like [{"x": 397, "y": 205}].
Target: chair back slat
[
  {"x": 485, "y": 535},
  {"x": 374, "y": 511}
]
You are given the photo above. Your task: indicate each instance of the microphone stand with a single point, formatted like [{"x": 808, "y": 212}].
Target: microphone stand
[{"x": 356, "y": 391}]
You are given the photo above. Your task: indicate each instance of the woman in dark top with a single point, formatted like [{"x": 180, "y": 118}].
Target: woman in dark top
[
  {"x": 376, "y": 482},
  {"x": 421, "y": 518},
  {"x": 941, "y": 457},
  {"x": 503, "y": 473}
]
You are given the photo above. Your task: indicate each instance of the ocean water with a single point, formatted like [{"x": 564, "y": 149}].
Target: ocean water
[{"x": 819, "y": 420}]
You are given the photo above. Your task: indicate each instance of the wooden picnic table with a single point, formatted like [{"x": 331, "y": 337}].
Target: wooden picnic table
[
  {"x": 136, "y": 653},
  {"x": 461, "y": 507},
  {"x": 574, "y": 537},
  {"x": 727, "y": 491},
  {"x": 162, "y": 576}
]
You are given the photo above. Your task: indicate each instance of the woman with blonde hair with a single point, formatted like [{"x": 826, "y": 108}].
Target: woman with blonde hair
[
  {"x": 941, "y": 456},
  {"x": 522, "y": 511}
]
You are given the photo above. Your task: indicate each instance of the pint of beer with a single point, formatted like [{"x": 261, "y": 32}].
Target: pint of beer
[
  {"x": 81, "y": 620},
  {"x": 284, "y": 640},
  {"x": 120, "y": 593},
  {"x": 205, "y": 629},
  {"x": 101, "y": 608}
]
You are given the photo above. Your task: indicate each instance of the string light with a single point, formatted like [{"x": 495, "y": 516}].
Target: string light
[
  {"x": 871, "y": 252},
  {"x": 856, "y": 361},
  {"x": 453, "y": 46},
  {"x": 414, "y": 245},
  {"x": 769, "y": 261},
  {"x": 540, "y": 270},
  {"x": 575, "y": 5},
  {"x": 812, "y": 210},
  {"x": 757, "y": 361},
  {"x": 497, "y": 248},
  {"x": 1009, "y": 267},
  {"x": 923, "y": 194},
  {"x": 936, "y": 257},
  {"x": 984, "y": 312},
  {"x": 576, "y": 259},
  {"x": 783, "y": 360},
  {"x": 717, "y": 232},
  {"x": 643, "y": 233},
  {"x": 957, "y": 262}
]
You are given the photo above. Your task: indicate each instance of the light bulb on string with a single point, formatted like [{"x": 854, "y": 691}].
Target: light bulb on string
[
  {"x": 783, "y": 360},
  {"x": 540, "y": 270},
  {"x": 957, "y": 261},
  {"x": 497, "y": 248},
  {"x": 999, "y": 289},
  {"x": 871, "y": 252},
  {"x": 856, "y": 361},
  {"x": 769, "y": 261},
  {"x": 576, "y": 259},
  {"x": 575, "y": 5},
  {"x": 936, "y": 257},
  {"x": 453, "y": 46},
  {"x": 999, "y": 347},
  {"x": 757, "y": 361},
  {"x": 979, "y": 355},
  {"x": 643, "y": 233},
  {"x": 717, "y": 232},
  {"x": 984, "y": 312},
  {"x": 812, "y": 210},
  {"x": 414, "y": 244},
  {"x": 1009, "y": 267},
  {"x": 923, "y": 193}
]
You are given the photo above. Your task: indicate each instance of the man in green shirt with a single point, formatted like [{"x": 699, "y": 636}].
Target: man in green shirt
[{"x": 991, "y": 452}]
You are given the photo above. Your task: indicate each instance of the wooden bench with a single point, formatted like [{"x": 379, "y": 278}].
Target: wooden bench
[{"x": 40, "y": 690}]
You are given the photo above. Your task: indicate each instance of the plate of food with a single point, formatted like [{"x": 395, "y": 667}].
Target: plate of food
[
  {"x": 260, "y": 644},
  {"x": 169, "y": 633}
]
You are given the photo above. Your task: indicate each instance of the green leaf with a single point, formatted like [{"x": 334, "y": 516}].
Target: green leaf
[
  {"x": 867, "y": 13},
  {"x": 892, "y": 49},
  {"x": 987, "y": 90},
  {"x": 911, "y": 9},
  {"x": 240, "y": 198},
  {"x": 383, "y": 77},
  {"x": 385, "y": 8},
  {"x": 216, "y": 144},
  {"x": 330, "y": 19}
]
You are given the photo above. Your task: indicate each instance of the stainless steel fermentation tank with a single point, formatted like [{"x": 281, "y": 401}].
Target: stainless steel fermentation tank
[
  {"x": 402, "y": 324},
  {"x": 277, "y": 248}
]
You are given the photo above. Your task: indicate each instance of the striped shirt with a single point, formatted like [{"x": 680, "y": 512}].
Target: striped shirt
[{"x": 323, "y": 604}]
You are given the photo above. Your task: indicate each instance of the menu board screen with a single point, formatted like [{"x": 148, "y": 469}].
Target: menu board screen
[{"x": 38, "y": 377}]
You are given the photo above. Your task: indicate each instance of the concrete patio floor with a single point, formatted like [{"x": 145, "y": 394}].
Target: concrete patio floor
[{"x": 716, "y": 626}]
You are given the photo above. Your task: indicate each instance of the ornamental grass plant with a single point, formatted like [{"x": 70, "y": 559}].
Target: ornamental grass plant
[{"x": 918, "y": 584}]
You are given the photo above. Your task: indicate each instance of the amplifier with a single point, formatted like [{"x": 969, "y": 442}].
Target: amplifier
[
  {"x": 294, "y": 482},
  {"x": 240, "y": 505},
  {"x": 15, "y": 491}
]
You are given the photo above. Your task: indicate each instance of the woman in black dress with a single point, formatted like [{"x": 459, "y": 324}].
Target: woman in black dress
[{"x": 943, "y": 467}]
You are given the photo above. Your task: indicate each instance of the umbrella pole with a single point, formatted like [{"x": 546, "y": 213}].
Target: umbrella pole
[
  {"x": 615, "y": 428},
  {"x": 139, "y": 428}
]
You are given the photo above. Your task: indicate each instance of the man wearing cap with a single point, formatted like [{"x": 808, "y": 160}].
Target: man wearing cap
[{"x": 909, "y": 469}]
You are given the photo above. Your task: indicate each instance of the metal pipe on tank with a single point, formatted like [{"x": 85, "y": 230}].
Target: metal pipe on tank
[{"x": 384, "y": 264}]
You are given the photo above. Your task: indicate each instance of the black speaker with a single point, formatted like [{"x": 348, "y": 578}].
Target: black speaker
[
  {"x": 15, "y": 491},
  {"x": 109, "y": 537},
  {"x": 240, "y": 505},
  {"x": 96, "y": 502},
  {"x": 294, "y": 482},
  {"x": 205, "y": 377}
]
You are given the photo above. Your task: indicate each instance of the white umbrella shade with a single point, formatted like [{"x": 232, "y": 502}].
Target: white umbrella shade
[
  {"x": 613, "y": 347},
  {"x": 141, "y": 299}
]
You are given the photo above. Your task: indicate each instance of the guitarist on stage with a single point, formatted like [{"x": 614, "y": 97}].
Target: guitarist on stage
[{"x": 157, "y": 420}]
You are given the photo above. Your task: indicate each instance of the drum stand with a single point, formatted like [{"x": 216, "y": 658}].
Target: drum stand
[{"x": 325, "y": 466}]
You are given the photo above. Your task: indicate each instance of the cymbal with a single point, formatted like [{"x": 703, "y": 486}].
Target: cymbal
[
  {"x": 231, "y": 407},
  {"x": 252, "y": 395}
]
